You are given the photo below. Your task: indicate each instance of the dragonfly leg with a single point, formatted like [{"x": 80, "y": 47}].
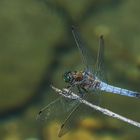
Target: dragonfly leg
[
  {"x": 81, "y": 91},
  {"x": 69, "y": 87}
]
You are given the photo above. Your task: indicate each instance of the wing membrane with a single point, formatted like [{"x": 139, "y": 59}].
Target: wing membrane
[
  {"x": 68, "y": 123},
  {"x": 56, "y": 110},
  {"x": 86, "y": 57},
  {"x": 100, "y": 55},
  {"x": 100, "y": 67},
  {"x": 47, "y": 111},
  {"x": 78, "y": 112}
]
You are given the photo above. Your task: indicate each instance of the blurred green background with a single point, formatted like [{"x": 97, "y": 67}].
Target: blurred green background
[{"x": 36, "y": 47}]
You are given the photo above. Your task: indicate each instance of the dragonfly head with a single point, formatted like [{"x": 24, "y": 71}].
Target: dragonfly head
[{"x": 68, "y": 77}]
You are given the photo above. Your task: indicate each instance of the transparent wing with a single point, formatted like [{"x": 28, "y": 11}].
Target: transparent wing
[
  {"x": 79, "y": 112},
  {"x": 86, "y": 56},
  {"x": 68, "y": 122},
  {"x": 100, "y": 66},
  {"x": 88, "y": 59},
  {"x": 56, "y": 110},
  {"x": 47, "y": 111},
  {"x": 100, "y": 55}
]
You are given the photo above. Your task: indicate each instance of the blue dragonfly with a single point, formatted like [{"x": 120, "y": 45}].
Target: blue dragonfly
[{"x": 88, "y": 80}]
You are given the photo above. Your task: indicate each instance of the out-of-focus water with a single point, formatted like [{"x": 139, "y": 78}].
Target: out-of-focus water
[{"x": 37, "y": 47}]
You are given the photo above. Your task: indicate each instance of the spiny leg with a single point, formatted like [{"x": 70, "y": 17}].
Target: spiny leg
[{"x": 81, "y": 91}]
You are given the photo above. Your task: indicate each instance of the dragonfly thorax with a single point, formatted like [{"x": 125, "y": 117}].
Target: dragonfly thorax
[
  {"x": 85, "y": 80},
  {"x": 73, "y": 76}
]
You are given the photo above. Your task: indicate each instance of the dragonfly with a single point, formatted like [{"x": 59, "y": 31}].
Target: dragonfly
[{"x": 87, "y": 80}]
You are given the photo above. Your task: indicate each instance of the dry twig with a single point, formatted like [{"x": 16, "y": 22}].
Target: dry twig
[{"x": 65, "y": 93}]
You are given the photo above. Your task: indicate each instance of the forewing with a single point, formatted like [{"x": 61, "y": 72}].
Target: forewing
[
  {"x": 79, "y": 112},
  {"x": 69, "y": 122},
  {"x": 100, "y": 64},
  {"x": 56, "y": 110},
  {"x": 85, "y": 55},
  {"x": 49, "y": 111}
]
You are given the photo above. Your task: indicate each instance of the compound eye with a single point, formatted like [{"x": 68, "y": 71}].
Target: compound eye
[{"x": 67, "y": 79}]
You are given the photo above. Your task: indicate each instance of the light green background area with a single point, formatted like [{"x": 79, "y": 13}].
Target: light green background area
[{"x": 37, "y": 47}]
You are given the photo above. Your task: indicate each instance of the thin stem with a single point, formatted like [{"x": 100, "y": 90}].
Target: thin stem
[{"x": 65, "y": 93}]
